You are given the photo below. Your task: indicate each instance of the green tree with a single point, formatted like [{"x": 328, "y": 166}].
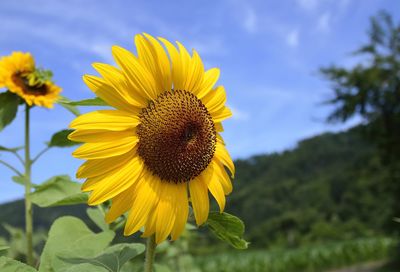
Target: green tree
[{"x": 371, "y": 90}]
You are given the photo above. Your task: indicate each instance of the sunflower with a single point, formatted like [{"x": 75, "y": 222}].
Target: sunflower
[
  {"x": 19, "y": 74},
  {"x": 161, "y": 146}
]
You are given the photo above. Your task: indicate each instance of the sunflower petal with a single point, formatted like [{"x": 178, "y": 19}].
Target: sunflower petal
[
  {"x": 215, "y": 100},
  {"x": 166, "y": 211},
  {"x": 223, "y": 177},
  {"x": 222, "y": 155},
  {"x": 117, "y": 182},
  {"x": 211, "y": 77},
  {"x": 221, "y": 114},
  {"x": 117, "y": 80},
  {"x": 106, "y": 92},
  {"x": 178, "y": 73},
  {"x": 120, "y": 204},
  {"x": 146, "y": 199},
  {"x": 140, "y": 78},
  {"x": 199, "y": 198},
  {"x": 105, "y": 149},
  {"x": 182, "y": 211}
]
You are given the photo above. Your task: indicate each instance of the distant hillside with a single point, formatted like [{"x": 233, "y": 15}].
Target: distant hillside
[{"x": 329, "y": 187}]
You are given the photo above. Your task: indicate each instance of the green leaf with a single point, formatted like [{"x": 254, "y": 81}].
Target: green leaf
[
  {"x": 228, "y": 228},
  {"x": 112, "y": 258},
  {"x": 97, "y": 101},
  {"x": 12, "y": 150},
  {"x": 69, "y": 236},
  {"x": 65, "y": 103},
  {"x": 8, "y": 108},
  {"x": 4, "y": 248},
  {"x": 97, "y": 216},
  {"x": 161, "y": 268},
  {"x": 10, "y": 265},
  {"x": 58, "y": 191},
  {"x": 60, "y": 139}
]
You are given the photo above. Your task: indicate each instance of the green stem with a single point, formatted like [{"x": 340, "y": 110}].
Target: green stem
[
  {"x": 28, "y": 203},
  {"x": 150, "y": 253},
  {"x": 9, "y": 166}
]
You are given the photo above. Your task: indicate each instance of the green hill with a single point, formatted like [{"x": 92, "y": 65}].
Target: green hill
[{"x": 330, "y": 187}]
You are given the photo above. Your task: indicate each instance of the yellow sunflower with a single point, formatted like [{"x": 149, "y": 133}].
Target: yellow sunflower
[
  {"x": 19, "y": 74},
  {"x": 160, "y": 147}
]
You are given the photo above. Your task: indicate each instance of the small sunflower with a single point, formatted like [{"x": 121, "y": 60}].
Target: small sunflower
[
  {"x": 19, "y": 74},
  {"x": 161, "y": 145}
]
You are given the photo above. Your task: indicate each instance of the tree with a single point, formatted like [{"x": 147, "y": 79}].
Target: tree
[{"x": 372, "y": 90}]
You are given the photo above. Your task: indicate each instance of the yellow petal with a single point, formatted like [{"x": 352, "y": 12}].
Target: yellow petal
[
  {"x": 182, "y": 211},
  {"x": 166, "y": 211},
  {"x": 219, "y": 171},
  {"x": 215, "y": 188},
  {"x": 116, "y": 182},
  {"x": 219, "y": 127},
  {"x": 139, "y": 77},
  {"x": 109, "y": 120},
  {"x": 106, "y": 92},
  {"x": 116, "y": 79},
  {"x": 199, "y": 198},
  {"x": 194, "y": 77},
  {"x": 220, "y": 115},
  {"x": 178, "y": 73},
  {"x": 105, "y": 149},
  {"x": 95, "y": 136},
  {"x": 120, "y": 204},
  {"x": 215, "y": 100},
  {"x": 211, "y": 77},
  {"x": 146, "y": 199},
  {"x": 222, "y": 155},
  {"x": 98, "y": 167},
  {"x": 150, "y": 226}
]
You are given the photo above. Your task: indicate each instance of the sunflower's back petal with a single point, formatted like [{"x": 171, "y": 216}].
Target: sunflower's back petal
[
  {"x": 139, "y": 77},
  {"x": 199, "y": 198},
  {"x": 150, "y": 226},
  {"x": 117, "y": 181},
  {"x": 166, "y": 211},
  {"x": 103, "y": 150},
  {"x": 182, "y": 211},
  {"x": 178, "y": 73}
]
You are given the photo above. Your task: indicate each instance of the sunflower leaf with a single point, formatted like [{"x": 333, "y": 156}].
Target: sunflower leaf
[
  {"x": 60, "y": 139},
  {"x": 69, "y": 236},
  {"x": 112, "y": 258},
  {"x": 97, "y": 101},
  {"x": 12, "y": 150},
  {"x": 98, "y": 218},
  {"x": 8, "y": 108},
  {"x": 4, "y": 248},
  {"x": 21, "y": 180},
  {"x": 228, "y": 228},
  {"x": 65, "y": 103},
  {"x": 58, "y": 191},
  {"x": 10, "y": 265}
]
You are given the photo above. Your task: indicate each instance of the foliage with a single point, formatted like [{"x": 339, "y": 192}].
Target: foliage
[
  {"x": 8, "y": 108},
  {"x": 313, "y": 258}
]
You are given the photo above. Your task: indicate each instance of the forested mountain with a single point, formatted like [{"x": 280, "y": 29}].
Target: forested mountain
[{"x": 329, "y": 187}]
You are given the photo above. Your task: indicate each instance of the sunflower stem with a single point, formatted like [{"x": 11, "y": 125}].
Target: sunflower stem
[
  {"x": 150, "y": 253},
  {"x": 28, "y": 202}
]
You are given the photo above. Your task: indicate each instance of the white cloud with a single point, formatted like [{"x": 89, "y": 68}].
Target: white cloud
[
  {"x": 308, "y": 5},
  {"x": 250, "y": 21},
  {"x": 292, "y": 38},
  {"x": 324, "y": 22},
  {"x": 239, "y": 115}
]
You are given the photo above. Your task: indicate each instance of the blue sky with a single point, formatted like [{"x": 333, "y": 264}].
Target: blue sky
[{"x": 268, "y": 52}]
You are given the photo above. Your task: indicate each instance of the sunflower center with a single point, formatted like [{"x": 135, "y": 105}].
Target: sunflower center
[
  {"x": 22, "y": 81},
  {"x": 177, "y": 136}
]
